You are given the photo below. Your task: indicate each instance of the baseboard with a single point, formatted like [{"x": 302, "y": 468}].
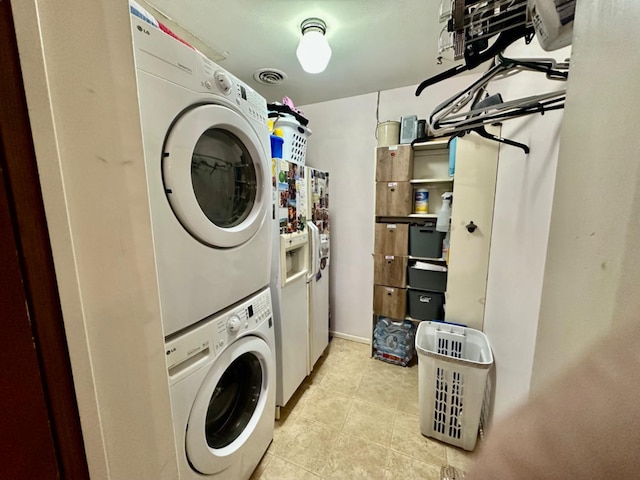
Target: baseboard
[{"x": 353, "y": 338}]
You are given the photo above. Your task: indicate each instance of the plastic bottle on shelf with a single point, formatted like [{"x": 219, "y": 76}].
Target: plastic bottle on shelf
[{"x": 444, "y": 214}]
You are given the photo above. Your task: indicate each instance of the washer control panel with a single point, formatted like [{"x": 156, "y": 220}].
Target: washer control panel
[
  {"x": 187, "y": 352},
  {"x": 241, "y": 319}
]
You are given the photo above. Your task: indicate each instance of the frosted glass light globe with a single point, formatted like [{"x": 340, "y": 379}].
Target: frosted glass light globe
[{"x": 313, "y": 51}]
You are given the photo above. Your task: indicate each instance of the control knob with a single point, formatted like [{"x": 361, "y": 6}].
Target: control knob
[
  {"x": 224, "y": 82},
  {"x": 233, "y": 324}
]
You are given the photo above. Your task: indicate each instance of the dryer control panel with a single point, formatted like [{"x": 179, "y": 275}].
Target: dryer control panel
[
  {"x": 217, "y": 80},
  {"x": 164, "y": 56}
]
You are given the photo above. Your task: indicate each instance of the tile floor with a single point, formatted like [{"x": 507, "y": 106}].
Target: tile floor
[{"x": 355, "y": 418}]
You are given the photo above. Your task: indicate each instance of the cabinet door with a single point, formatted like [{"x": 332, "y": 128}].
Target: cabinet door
[
  {"x": 391, "y": 238},
  {"x": 473, "y": 197},
  {"x": 390, "y": 270},
  {"x": 390, "y": 302},
  {"x": 393, "y": 199},
  {"x": 394, "y": 163}
]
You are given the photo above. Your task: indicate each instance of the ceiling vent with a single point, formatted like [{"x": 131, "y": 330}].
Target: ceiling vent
[{"x": 270, "y": 76}]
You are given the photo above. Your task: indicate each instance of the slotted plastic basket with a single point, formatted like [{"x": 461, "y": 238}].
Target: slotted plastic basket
[
  {"x": 295, "y": 137},
  {"x": 453, "y": 369}
]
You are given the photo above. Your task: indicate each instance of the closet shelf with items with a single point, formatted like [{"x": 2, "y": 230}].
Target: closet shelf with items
[{"x": 415, "y": 278}]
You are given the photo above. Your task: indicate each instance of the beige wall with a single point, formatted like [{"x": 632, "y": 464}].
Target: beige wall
[
  {"x": 522, "y": 212},
  {"x": 592, "y": 271},
  {"x": 79, "y": 78},
  {"x": 344, "y": 142}
]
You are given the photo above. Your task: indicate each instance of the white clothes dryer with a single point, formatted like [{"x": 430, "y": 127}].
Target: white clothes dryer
[
  {"x": 222, "y": 385},
  {"x": 206, "y": 147}
]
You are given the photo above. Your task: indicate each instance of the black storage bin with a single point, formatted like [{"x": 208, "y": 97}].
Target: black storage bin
[
  {"x": 425, "y": 305},
  {"x": 425, "y": 241},
  {"x": 427, "y": 279}
]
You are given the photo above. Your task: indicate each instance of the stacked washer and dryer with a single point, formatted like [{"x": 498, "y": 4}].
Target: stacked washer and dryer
[{"x": 207, "y": 157}]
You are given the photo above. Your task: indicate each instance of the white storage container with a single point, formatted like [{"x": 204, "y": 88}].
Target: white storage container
[
  {"x": 294, "y": 148},
  {"x": 453, "y": 371}
]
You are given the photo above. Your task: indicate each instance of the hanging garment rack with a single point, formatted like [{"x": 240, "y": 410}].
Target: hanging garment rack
[
  {"x": 449, "y": 119},
  {"x": 472, "y": 24},
  {"x": 473, "y": 21},
  {"x": 480, "y": 29}
]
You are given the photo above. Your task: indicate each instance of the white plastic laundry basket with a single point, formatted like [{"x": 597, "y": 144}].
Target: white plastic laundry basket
[
  {"x": 294, "y": 148},
  {"x": 453, "y": 369}
]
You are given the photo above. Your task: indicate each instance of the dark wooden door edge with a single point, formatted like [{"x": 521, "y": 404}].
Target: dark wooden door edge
[{"x": 36, "y": 259}]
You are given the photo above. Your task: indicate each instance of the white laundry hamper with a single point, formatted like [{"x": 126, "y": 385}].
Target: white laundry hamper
[
  {"x": 453, "y": 376},
  {"x": 295, "y": 135}
]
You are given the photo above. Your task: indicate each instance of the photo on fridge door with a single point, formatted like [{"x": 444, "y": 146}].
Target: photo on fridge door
[
  {"x": 291, "y": 202},
  {"x": 320, "y": 198}
]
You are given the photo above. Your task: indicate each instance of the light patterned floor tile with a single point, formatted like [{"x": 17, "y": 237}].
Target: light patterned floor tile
[
  {"x": 257, "y": 473},
  {"x": 400, "y": 466},
  {"x": 282, "y": 427},
  {"x": 280, "y": 469},
  {"x": 407, "y": 439},
  {"x": 354, "y": 458},
  {"x": 370, "y": 422},
  {"x": 346, "y": 361},
  {"x": 378, "y": 388},
  {"x": 343, "y": 382},
  {"x": 408, "y": 391},
  {"x": 355, "y": 418},
  {"x": 320, "y": 369},
  {"x": 307, "y": 444},
  {"x": 460, "y": 459},
  {"x": 363, "y": 349},
  {"x": 327, "y": 407},
  {"x": 300, "y": 398}
]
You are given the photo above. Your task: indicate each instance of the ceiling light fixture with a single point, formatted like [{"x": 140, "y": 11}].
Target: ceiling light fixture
[{"x": 313, "y": 50}]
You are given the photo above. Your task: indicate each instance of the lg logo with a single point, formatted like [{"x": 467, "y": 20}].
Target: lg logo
[
  {"x": 171, "y": 350},
  {"x": 143, "y": 30}
]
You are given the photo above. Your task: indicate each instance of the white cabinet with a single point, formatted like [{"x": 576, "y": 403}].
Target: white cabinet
[{"x": 473, "y": 199}]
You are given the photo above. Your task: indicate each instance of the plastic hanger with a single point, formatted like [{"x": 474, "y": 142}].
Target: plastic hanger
[
  {"x": 449, "y": 117},
  {"x": 502, "y": 68}
]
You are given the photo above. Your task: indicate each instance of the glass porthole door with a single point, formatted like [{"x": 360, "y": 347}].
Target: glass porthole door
[
  {"x": 229, "y": 405},
  {"x": 214, "y": 176}
]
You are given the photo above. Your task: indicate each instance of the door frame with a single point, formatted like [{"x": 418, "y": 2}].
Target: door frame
[{"x": 35, "y": 308}]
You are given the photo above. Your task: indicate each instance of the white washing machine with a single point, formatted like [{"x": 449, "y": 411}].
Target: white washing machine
[
  {"x": 207, "y": 156},
  {"x": 222, "y": 381}
]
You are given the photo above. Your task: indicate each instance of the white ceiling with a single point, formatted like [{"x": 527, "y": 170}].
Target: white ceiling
[{"x": 377, "y": 44}]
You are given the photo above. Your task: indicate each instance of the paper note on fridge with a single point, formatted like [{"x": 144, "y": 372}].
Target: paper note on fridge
[{"x": 429, "y": 266}]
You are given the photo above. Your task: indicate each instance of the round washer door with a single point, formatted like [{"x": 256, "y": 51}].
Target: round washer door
[
  {"x": 214, "y": 175},
  {"x": 229, "y": 405}
]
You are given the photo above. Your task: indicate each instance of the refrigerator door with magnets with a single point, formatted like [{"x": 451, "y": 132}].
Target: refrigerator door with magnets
[{"x": 319, "y": 253}]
